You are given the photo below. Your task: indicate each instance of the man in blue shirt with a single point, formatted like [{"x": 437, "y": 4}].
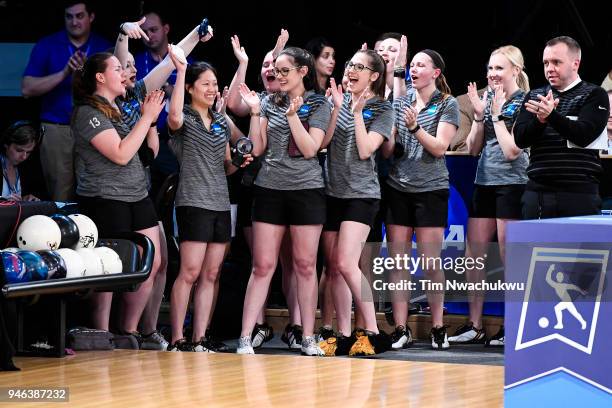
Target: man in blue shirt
[
  {"x": 49, "y": 75},
  {"x": 157, "y": 29}
]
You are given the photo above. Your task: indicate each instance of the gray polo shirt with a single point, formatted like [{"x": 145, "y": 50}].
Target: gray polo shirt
[
  {"x": 279, "y": 171},
  {"x": 96, "y": 175},
  {"x": 201, "y": 153},
  {"x": 347, "y": 175},
  {"x": 493, "y": 168},
  {"x": 417, "y": 170}
]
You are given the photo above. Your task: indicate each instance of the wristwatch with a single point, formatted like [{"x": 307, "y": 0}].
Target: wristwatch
[{"x": 497, "y": 118}]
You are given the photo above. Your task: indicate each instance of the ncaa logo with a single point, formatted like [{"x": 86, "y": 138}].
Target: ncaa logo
[{"x": 562, "y": 297}]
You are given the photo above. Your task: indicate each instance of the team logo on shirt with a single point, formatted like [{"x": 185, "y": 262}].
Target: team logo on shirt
[
  {"x": 510, "y": 110},
  {"x": 130, "y": 107},
  {"x": 304, "y": 109},
  {"x": 432, "y": 109},
  {"x": 367, "y": 114},
  {"x": 216, "y": 128}
]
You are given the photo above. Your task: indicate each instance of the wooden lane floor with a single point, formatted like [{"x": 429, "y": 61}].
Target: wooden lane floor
[{"x": 147, "y": 379}]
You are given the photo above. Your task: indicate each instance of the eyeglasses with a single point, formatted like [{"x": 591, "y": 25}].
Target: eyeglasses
[
  {"x": 356, "y": 67},
  {"x": 284, "y": 71}
]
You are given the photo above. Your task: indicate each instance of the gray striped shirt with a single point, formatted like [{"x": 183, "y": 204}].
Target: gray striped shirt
[
  {"x": 201, "y": 153},
  {"x": 347, "y": 175},
  {"x": 493, "y": 168},
  {"x": 279, "y": 171},
  {"x": 417, "y": 170},
  {"x": 131, "y": 104},
  {"x": 96, "y": 175}
]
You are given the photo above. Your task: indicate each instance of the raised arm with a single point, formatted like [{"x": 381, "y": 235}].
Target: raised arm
[
  {"x": 175, "y": 114},
  {"x": 337, "y": 97},
  {"x": 399, "y": 83},
  {"x": 128, "y": 30},
  {"x": 475, "y": 139},
  {"x": 234, "y": 100},
  {"x": 160, "y": 74},
  {"x": 258, "y": 125}
]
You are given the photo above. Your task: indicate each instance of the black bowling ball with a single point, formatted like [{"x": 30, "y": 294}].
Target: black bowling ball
[
  {"x": 69, "y": 230},
  {"x": 56, "y": 264}
]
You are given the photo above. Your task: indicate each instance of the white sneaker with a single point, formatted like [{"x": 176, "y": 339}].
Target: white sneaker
[
  {"x": 245, "y": 346},
  {"x": 468, "y": 334},
  {"x": 401, "y": 338},
  {"x": 310, "y": 347}
]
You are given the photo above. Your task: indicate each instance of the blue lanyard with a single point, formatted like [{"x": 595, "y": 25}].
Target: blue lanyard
[{"x": 13, "y": 190}]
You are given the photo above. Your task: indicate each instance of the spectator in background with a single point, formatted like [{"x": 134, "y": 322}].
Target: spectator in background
[
  {"x": 18, "y": 142},
  {"x": 325, "y": 59},
  {"x": 48, "y": 75},
  {"x": 157, "y": 29}
]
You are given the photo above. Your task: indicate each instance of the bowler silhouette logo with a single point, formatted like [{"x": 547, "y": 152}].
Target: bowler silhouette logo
[{"x": 571, "y": 299}]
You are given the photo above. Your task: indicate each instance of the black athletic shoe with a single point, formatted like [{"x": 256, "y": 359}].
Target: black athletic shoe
[
  {"x": 439, "y": 340},
  {"x": 401, "y": 338},
  {"x": 468, "y": 334},
  {"x": 181, "y": 345},
  {"x": 262, "y": 333},
  {"x": 498, "y": 339},
  {"x": 213, "y": 344},
  {"x": 325, "y": 333},
  {"x": 292, "y": 336}
]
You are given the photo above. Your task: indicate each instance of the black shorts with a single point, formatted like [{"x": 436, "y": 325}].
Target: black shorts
[
  {"x": 289, "y": 207},
  {"x": 113, "y": 216},
  {"x": 426, "y": 209},
  {"x": 361, "y": 210},
  {"x": 245, "y": 207},
  {"x": 497, "y": 201},
  {"x": 552, "y": 204},
  {"x": 201, "y": 225}
]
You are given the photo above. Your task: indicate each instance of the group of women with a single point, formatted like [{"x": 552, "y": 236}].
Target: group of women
[{"x": 292, "y": 207}]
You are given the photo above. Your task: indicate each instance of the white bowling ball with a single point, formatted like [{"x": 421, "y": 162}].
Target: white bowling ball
[
  {"x": 110, "y": 260},
  {"x": 37, "y": 233},
  {"x": 88, "y": 232},
  {"x": 75, "y": 266},
  {"x": 93, "y": 262}
]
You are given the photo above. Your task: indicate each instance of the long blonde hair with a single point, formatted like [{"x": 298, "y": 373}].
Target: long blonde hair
[{"x": 515, "y": 56}]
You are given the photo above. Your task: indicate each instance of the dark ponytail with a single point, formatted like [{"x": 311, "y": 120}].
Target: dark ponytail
[
  {"x": 378, "y": 65},
  {"x": 301, "y": 58},
  {"x": 84, "y": 85}
]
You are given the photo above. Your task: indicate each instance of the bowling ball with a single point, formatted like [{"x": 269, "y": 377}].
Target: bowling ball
[
  {"x": 88, "y": 232},
  {"x": 55, "y": 263},
  {"x": 35, "y": 265},
  {"x": 13, "y": 267},
  {"x": 69, "y": 230},
  {"x": 75, "y": 267},
  {"x": 38, "y": 232}
]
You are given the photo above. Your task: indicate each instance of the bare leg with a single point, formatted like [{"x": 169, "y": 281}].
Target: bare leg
[
  {"x": 304, "y": 247},
  {"x": 266, "y": 247},
  {"x": 204, "y": 296},
  {"x": 480, "y": 232},
  {"x": 399, "y": 238},
  {"x": 192, "y": 256},
  {"x": 135, "y": 302}
]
